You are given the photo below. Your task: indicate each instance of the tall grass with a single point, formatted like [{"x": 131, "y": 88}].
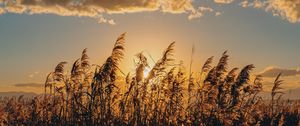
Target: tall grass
[{"x": 98, "y": 95}]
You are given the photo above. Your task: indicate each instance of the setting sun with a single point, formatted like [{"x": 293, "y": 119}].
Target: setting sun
[{"x": 146, "y": 72}]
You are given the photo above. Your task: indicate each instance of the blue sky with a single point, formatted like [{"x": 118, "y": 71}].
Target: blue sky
[{"x": 32, "y": 44}]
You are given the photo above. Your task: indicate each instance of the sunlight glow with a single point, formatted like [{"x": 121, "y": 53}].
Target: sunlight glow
[{"x": 146, "y": 72}]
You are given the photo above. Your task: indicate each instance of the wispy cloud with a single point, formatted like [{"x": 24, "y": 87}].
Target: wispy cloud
[
  {"x": 287, "y": 9},
  {"x": 290, "y": 77},
  {"x": 273, "y": 71},
  {"x": 223, "y": 1},
  {"x": 104, "y": 20},
  {"x": 36, "y": 74},
  {"x": 218, "y": 13},
  {"x": 199, "y": 12},
  {"x": 36, "y": 85}
]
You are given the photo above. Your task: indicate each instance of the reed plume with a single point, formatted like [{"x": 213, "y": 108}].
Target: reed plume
[{"x": 97, "y": 95}]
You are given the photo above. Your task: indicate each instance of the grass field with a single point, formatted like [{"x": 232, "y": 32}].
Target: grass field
[{"x": 167, "y": 94}]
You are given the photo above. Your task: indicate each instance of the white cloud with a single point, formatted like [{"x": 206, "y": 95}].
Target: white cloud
[
  {"x": 244, "y": 4},
  {"x": 199, "y": 12},
  {"x": 223, "y": 1},
  {"x": 218, "y": 13},
  {"x": 104, "y": 20}
]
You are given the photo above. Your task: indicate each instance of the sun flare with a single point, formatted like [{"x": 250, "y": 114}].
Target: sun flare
[{"x": 146, "y": 72}]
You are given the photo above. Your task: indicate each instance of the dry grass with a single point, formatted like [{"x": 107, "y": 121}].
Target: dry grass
[{"x": 93, "y": 95}]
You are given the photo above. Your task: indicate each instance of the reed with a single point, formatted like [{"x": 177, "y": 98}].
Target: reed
[{"x": 99, "y": 95}]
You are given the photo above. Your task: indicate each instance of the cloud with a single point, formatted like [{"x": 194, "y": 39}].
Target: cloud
[
  {"x": 223, "y": 1},
  {"x": 218, "y": 13},
  {"x": 255, "y": 4},
  {"x": 287, "y": 9},
  {"x": 35, "y": 74},
  {"x": 274, "y": 71},
  {"x": 1, "y": 11},
  {"x": 290, "y": 77},
  {"x": 199, "y": 12},
  {"x": 94, "y": 8},
  {"x": 29, "y": 85},
  {"x": 104, "y": 20},
  {"x": 289, "y": 82}
]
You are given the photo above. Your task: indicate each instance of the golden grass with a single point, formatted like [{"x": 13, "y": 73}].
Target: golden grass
[{"x": 94, "y": 95}]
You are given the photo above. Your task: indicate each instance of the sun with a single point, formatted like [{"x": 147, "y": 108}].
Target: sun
[{"x": 146, "y": 72}]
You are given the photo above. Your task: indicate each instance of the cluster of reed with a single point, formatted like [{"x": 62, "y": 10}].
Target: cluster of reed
[{"x": 97, "y": 95}]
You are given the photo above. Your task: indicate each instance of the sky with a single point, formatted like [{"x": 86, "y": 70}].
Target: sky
[{"x": 35, "y": 35}]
